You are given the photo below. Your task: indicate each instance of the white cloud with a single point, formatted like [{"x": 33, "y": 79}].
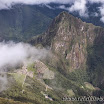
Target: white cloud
[
  {"x": 96, "y": 14},
  {"x": 76, "y": 5},
  {"x": 4, "y": 4},
  {"x": 12, "y": 54},
  {"x": 80, "y": 6},
  {"x": 63, "y": 7},
  {"x": 102, "y": 19},
  {"x": 101, "y": 9},
  {"x": 96, "y": 1}
]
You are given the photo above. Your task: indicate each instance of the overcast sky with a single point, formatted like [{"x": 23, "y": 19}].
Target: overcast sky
[{"x": 77, "y": 5}]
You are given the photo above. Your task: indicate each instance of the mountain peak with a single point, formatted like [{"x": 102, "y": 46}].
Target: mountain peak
[
  {"x": 67, "y": 37},
  {"x": 61, "y": 26},
  {"x": 65, "y": 14}
]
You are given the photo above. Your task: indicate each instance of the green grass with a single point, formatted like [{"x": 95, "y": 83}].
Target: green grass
[
  {"x": 18, "y": 77},
  {"x": 32, "y": 90},
  {"x": 9, "y": 101},
  {"x": 31, "y": 67}
]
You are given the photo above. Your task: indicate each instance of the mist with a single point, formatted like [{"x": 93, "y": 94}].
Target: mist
[{"x": 14, "y": 53}]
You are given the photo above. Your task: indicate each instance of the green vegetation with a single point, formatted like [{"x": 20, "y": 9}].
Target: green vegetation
[
  {"x": 9, "y": 101},
  {"x": 79, "y": 80},
  {"x": 23, "y": 21},
  {"x": 79, "y": 76},
  {"x": 85, "y": 52},
  {"x": 31, "y": 67},
  {"x": 18, "y": 77},
  {"x": 31, "y": 93}
]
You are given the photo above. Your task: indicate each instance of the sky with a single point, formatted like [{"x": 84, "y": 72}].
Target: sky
[{"x": 76, "y": 5}]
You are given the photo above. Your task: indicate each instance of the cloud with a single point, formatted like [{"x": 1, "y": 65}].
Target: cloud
[
  {"x": 80, "y": 6},
  {"x": 96, "y": 1},
  {"x": 4, "y": 4},
  {"x": 14, "y": 53},
  {"x": 101, "y": 9},
  {"x": 76, "y": 5}
]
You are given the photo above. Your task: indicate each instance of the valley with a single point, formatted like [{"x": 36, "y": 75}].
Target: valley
[{"x": 74, "y": 69}]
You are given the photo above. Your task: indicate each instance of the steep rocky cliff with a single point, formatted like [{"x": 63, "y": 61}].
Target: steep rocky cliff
[{"x": 77, "y": 46}]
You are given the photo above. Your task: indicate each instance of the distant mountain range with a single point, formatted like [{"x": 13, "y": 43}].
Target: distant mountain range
[{"x": 22, "y": 22}]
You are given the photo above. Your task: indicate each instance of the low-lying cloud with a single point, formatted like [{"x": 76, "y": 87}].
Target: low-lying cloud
[{"x": 14, "y": 53}]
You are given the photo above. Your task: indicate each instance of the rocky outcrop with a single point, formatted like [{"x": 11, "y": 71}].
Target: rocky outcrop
[
  {"x": 69, "y": 38},
  {"x": 75, "y": 45}
]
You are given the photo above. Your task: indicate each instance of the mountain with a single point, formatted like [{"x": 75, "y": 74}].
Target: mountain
[
  {"x": 74, "y": 69},
  {"x": 22, "y": 22},
  {"x": 78, "y": 49}
]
